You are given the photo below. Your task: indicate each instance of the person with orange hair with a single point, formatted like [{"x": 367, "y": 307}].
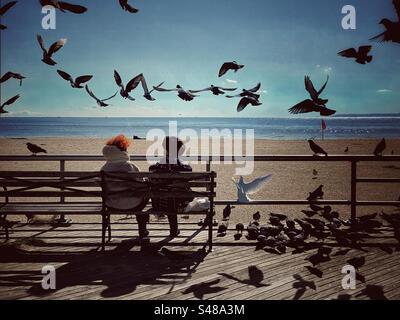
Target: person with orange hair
[{"x": 117, "y": 157}]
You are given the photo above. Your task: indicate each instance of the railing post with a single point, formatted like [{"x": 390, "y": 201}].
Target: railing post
[
  {"x": 62, "y": 198},
  {"x": 353, "y": 191}
]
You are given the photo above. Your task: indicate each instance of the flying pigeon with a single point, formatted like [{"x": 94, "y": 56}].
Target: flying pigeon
[
  {"x": 147, "y": 93},
  {"x": 392, "y": 32},
  {"x": 310, "y": 106},
  {"x": 229, "y": 66},
  {"x": 215, "y": 90},
  {"x": 313, "y": 93},
  {"x": 129, "y": 87},
  {"x": 248, "y": 93},
  {"x": 4, "y": 9},
  {"x": 316, "y": 148},
  {"x": 62, "y": 6},
  {"x": 380, "y": 147},
  {"x": 9, "y": 75},
  {"x": 182, "y": 93},
  {"x": 249, "y": 188},
  {"x": 361, "y": 55},
  {"x": 8, "y": 102},
  {"x": 245, "y": 101},
  {"x": 124, "y": 5},
  {"x": 99, "y": 102},
  {"x": 53, "y": 49},
  {"x": 34, "y": 148},
  {"x": 78, "y": 81}
]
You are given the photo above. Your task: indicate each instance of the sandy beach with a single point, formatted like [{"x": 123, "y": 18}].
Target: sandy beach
[{"x": 291, "y": 180}]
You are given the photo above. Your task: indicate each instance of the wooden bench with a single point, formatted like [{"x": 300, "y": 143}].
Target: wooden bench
[{"x": 88, "y": 190}]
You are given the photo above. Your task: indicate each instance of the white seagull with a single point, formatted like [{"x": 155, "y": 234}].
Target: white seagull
[{"x": 249, "y": 188}]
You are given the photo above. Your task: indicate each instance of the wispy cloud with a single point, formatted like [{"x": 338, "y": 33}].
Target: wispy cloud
[
  {"x": 327, "y": 69},
  {"x": 384, "y": 91},
  {"x": 264, "y": 91},
  {"x": 24, "y": 113},
  {"x": 231, "y": 81}
]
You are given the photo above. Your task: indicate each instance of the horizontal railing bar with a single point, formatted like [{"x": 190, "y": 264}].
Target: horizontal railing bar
[
  {"x": 380, "y": 180},
  {"x": 221, "y": 158},
  {"x": 282, "y": 202}
]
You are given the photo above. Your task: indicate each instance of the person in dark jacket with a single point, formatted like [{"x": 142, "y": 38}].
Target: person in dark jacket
[{"x": 173, "y": 148}]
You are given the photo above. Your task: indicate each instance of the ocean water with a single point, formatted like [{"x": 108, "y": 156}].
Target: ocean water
[{"x": 349, "y": 126}]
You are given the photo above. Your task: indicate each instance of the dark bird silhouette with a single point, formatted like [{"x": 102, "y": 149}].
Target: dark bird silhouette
[
  {"x": 256, "y": 276},
  {"x": 185, "y": 95},
  {"x": 53, "y": 49},
  {"x": 316, "y": 194},
  {"x": 357, "y": 262},
  {"x": 315, "y": 271},
  {"x": 316, "y": 148},
  {"x": 361, "y": 55},
  {"x": 34, "y": 148},
  {"x": 4, "y": 9},
  {"x": 147, "y": 93},
  {"x": 301, "y": 285},
  {"x": 99, "y": 102},
  {"x": 62, "y": 6},
  {"x": 9, "y": 75},
  {"x": 290, "y": 224},
  {"x": 346, "y": 150},
  {"x": 215, "y": 90},
  {"x": 227, "y": 211},
  {"x": 223, "y": 227},
  {"x": 257, "y": 216},
  {"x": 280, "y": 216},
  {"x": 392, "y": 32},
  {"x": 313, "y": 93},
  {"x": 373, "y": 292},
  {"x": 316, "y": 223},
  {"x": 368, "y": 217},
  {"x": 248, "y": 93},
  {"x": 309, "y": 213},
  {"x": 245, "y": 101},
  {"x": 124, "y": 5},
  {"x": 380, "y": 147},
  {"x": 7, "y": 103},
  {"x": 275, "y": 221},
  {"x": 74, "y": 83},
  {"x": 239, "y": 227},
  {"x": 132, "y": 84},
  {"x": 229, "y": 66},
  {"x": 308, "y": 105},
  {"x": 316, "y": 208},
  {"x": 201, "y": 289}
]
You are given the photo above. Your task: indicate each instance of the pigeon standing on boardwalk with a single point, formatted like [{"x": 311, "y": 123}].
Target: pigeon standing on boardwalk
[
  {"x": 346, "y": 150},
  {"x": 7, "y": 103},
  {"x": 78, "y": 81},
  {"x": 227, "y": 211},
  {"x": 62, "y": 6},
  {"x": 34, "y": 148},
  {"x": 380, "y": 147},
  {"x": 99, "y": 102},
  {"x": 53, "y": 49},
  {"x": 239, "y": 228},
  {"x": 316, "y": 148},
  {"x": 249, "y": 188},
  {"x": 9, "y": 75},
  {"x": 229, "y": 66},
  {"x": 4, "y": 9},
  {"x": 392, "y": 32},
  {"x": 361, "y": 56}
]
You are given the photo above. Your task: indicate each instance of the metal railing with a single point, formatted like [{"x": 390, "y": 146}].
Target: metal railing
[{"x": 208, "y": 160}]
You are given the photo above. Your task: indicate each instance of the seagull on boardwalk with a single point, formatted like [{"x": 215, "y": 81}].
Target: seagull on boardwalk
[
  {"x": 127, "y": 7},
  {"x": 4, "y": 9},
  {"x": 34, "y": 148},
  {"x": 129, "y": 87},
  {"x": 380, "y": 147},
  {"x": 78, "y": 81},
  {"x": 62, "y": 6},
  {"x": 361, "y": 55},
  {"x": 245, "y": 101},
  {"x": 316, "y": 148},
  {"x": 248, "y": 93},
  {"x": 99, "y": 102},
  {"x": 53, "y": 49},
  {"x": 392, "y": 32},
  {"x": 215, "y": 90},
  {"x": 249, "y": 188},
  {"x": 185, "y": 95},
  {"x": 9, "y": 75},
  {"x": 7, "y": 103},
  {"x": 229, "y": 66}
]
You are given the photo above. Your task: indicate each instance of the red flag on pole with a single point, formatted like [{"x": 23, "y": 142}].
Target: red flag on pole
[{"x": 323, "y": 124}]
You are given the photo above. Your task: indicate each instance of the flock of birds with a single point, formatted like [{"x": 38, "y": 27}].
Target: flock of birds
[{"x": 248, "y": 96}]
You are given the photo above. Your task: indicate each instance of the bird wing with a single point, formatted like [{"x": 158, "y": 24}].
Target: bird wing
[
  {"x": 228, "y": 89},
  {"x": 118, "y": 80},
  {"x": 83, "y": 79},
  {"x": 57, "y": 46},
  {"x": 383, "y": 35},
  {"x": 303, "y": 107},
  {"x": 349, "y": 53},
  {"x": 196, "y": 91},
  {"x": 134, "y": 82},
  {"x": 324, "y": 111},
  {"x": 10, "y": 101},
  {"x": 6, "y": 7},
  {"x": 224, "y": 68},
  {"x": 310, "y": 88},
  {"x": 164, "y": 90},
  {"x": 256, "y": 88},
  {"x": 144, "y": 85},
  {"x": 65, "y": 75},
  {"x": 256, "y": 184},
  {"x": 396, "y": 4},
  {"x": 91, "y": 93},
  {"x": 156, "y": 87},
  {"x": 324, "y": 86},
  {"x": 110, "y": 97},
  {"x": 243, "y": 104},
  {"x": 125, "y": 5},
  {"x": 40, "y": 40},
  {"x": 6, "y": 76},
  {"x": 235, "y": 96},
  {"x": 74, "y": 8},
  {"x": 364, "y": 49}
]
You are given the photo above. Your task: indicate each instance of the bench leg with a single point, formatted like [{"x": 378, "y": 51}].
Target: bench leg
[
  {"x": 103, "y": 232},
  {"x": 7, "y": 236},
  {"x": 109, "y": 227}
]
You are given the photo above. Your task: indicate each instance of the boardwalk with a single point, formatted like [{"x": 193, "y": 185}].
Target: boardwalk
[{"x": 233, "y": 270}]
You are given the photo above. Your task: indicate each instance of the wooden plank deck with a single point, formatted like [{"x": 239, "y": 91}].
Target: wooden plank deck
[{"x": 233, "y": 270}]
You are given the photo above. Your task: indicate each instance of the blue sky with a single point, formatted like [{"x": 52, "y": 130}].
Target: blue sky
[{"x": 185, "y": 42}]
